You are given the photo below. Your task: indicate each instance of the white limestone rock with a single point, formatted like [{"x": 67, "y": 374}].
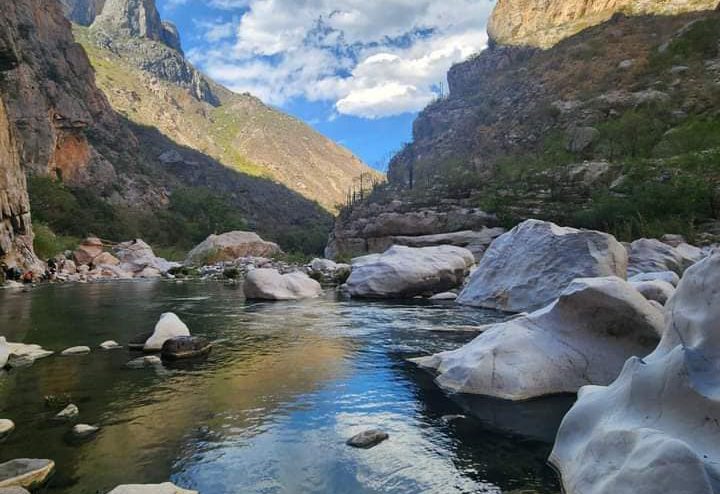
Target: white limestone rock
[
  {"x": 405, "y": 272},
  {"x": 22, "y": 355},
  {"x": 166, "y": 488},
  {"x": 25, "y": 472},
  {"x": 582, "y": 338},
  {"x": 82, "y": 431},
  {"x": 110, "y": 345},
  {"x": 269, "y": 284},
  {"x": 444, "y": 296},
  {"x": 655, "y": 428},
  {"x": 528, "y": 267},
  {"x": 169, "y": 326},
  {"x": 657, "y": 290},
  {"x": 6, "y": 428},
  {"x": 230, "y": 246},
  {"x": 667, "y": 276},
  {"x": 136, "y": 256},
  {"x": 4, "y": 352},
  {"x": 650, "y": 255},
  {"x": 143, "y": 362},
  {"x": 75, "y": 350},
  {"x": 68, "y": 413}
]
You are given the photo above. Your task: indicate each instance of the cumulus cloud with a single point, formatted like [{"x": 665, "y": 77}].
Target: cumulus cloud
[{"x": 371, "y": 58}]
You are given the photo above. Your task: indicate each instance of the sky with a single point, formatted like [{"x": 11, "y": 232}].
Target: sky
[{"x": 358, "y": 71}]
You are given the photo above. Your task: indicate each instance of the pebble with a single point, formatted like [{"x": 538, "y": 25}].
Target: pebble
[
  {"x": 82, "y": 431},
  {"x": 110, "y": 345}
]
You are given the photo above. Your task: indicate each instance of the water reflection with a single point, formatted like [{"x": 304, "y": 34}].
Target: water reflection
[{"x": 268, "y": 411}]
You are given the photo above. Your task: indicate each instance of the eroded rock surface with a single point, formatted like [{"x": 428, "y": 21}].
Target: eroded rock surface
[
  {"x": 269, "y": 284},
  {"x": 582, "y": 338}
]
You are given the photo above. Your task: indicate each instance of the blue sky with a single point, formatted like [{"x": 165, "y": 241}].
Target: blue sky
[{"x": 358, "y": 71}]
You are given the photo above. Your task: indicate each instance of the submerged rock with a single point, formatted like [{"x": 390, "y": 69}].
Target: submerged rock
[
  {"x": 405, "y": 272},
  {"x": 169, "y": 326},
  {"x": 142, "y": 362},
  {"x": 528, "y": 267},
  {"x": 654, "y": 429},
  {"x": 269, "y": 284},
  {"x": 25, "y": 472},
  {"x": 582, "y": 338},
  {"x": 70, "y": 412},
  {"x": 166, "y": 488},
  {"x": 367, "y": 439},
  {"x": 75, "y": 350},
  {"x": 6, "y": 428},
  {"x": 138, "y": 342},
  {"x": 185, "y": 347}
]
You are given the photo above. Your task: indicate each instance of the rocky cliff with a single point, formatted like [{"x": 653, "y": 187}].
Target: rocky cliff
[
  {"x": 543, "y": 23},
  {"x": 82, "y": 12}
]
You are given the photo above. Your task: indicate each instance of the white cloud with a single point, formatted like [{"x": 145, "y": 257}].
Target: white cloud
[{"x": 372, "y": 58}]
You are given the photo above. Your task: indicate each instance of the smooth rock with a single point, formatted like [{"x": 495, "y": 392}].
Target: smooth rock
[
  {"x": 169, "y": 326},
  {"x": 650, "y": 255},
  {"x": 110, "y": 345},
  {"x": 269, "y": 284},
  {"x": 75, "y": 350},
  {"x": 476, "y": 241},
  {"x": 367, "y": 439},
  {"x": 70, "y": 412},
  {"x": 230, "y": 246},
  {"x": 6, "y": 428},
  {"x": 25, "y": 472},
  {"x": 444, "y": 296},
  {"x": 666, "y": 276},
  {"x": 13, "y": 490},
  {"x": 136, "y": 255},
  {"x": 657, "y": 290},
  {"x": 82, "y": 431},
  {"x": 582, "y": 338},
  {"x": 654, "y": 429},
  {"x": 405, "y": 272},
  {"x": 166, "y": 488},
  {"x": 146, "y": 361},
  {"x": 185, "y": 347},
  {"x": 88, "y": 250},
  {"x": 106, "y": 258},
  {"x": 528, "y": 267},
  {"x": 4, "y": 352}
]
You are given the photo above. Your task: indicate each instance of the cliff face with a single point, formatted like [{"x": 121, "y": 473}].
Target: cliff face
[
  {"x": 82, "y": 12},
  {"x": 543, "y": 23}
]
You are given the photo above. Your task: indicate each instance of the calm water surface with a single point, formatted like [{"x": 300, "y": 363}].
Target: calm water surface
[{"x": 270, "y": 409}]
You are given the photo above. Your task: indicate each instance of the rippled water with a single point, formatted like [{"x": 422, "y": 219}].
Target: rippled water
[{"x": 270, "y": 409}]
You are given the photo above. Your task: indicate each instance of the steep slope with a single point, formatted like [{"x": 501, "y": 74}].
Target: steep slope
[
  {"x": 615, "y": 128},
  {"x": 107, "y": 175},
  {"x": 143, "y": 72},
  {"x": 543, "y": 23}
]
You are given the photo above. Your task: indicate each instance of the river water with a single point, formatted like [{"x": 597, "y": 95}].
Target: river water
[{"x": 270, "y": 409}]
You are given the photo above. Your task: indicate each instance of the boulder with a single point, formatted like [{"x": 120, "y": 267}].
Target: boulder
[
  {"x": 185, "y": 347},
  {"x": 654, "y": 429},
  {"x": 22, "y": 355},
  {"x": 75, "y": 350},
  {"x": 136, "y": 255},
  {"x": 530, "y": 266},
  {"x": 476, "y": 242},
  {"x": 230, "y": 246},
  {"x": 6, "y": 428},
  {"x": 88, "y": 250},
  {"x": 70, "y": 412},
  {"x": 584, "y": 337},
  {"x": 166, "y": 488},
  {"x": 106, "y": 258},
  {"x": 4, "y": 352},
  {"x": 649, "y": 255},
  {"x": 657, "y": 290},
  {"x": 367, "y": 439},
  {"x": 26, "y": 473},
  {"x": 169, "y": 326},
  {"x": 269, "y": 284},
  {"x": 666, "y": 276},
  {"x": 69, "y": 266},
  {"x": 329, "y": 271},
  {"x": 404, "y": 272},
  {"x": 83, "y": 431}
]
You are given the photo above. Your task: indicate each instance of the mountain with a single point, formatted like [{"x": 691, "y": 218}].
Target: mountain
[
  {"x": 91, "y": 170},
  {"x": 615, "y": 128},
  {"x": 543, "y": 23},
  {"x": 141, "y": 68}
]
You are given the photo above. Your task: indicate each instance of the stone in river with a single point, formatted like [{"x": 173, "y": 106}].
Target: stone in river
[
  {"x": 367, "y": 439},
  {"x": 26, "y": 473},
  {"x": 142, "y": 362},
  {"x": 68, "y": 413},
  {"x": 4, "y": 352},
  {"x": 76, "y": 350},
  {"x": 82, "y": 431},
  {"x": 185, "y": 347},
  {"x": 444, "y": 296},
  {"x": 110, "y": 345},
  {"x": 165, "y": 488},
  {"x": 6, "y": 428},
  {"x": 169, "y": 326}
]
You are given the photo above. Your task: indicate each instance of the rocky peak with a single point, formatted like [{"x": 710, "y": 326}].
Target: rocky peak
[
  {"x": 137, "y": 19},
  {"x": 544, "y": 23},
  {"x": 82, "y": 12}
]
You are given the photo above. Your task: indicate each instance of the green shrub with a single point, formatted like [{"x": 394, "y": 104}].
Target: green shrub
[
  {"x": 699, "y": 41},
  {"x": 47, "y": 244}
]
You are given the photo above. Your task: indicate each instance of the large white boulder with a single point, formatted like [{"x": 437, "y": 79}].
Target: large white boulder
[
  {"x": 230, "y": 246},
  {"x": 649, "y": 255},
  {"x": 136, "y": 256},
  {"x": 406, "y": 272},
  {"x": 582, "y": 338},
  {"x": 655, "y": 429},
  {"x": 166, "y": 488},
  {"x": 269, "y": 284},
  {"x": 169, "y": 326},
  {"x": 528, "y": 267},
  {"x": 4, "y": 352}
]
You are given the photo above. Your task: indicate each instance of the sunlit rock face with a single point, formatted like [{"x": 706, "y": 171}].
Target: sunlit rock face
[
  {"x": 543, "y": 23},
  {"x": 656, "y": 425}
]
